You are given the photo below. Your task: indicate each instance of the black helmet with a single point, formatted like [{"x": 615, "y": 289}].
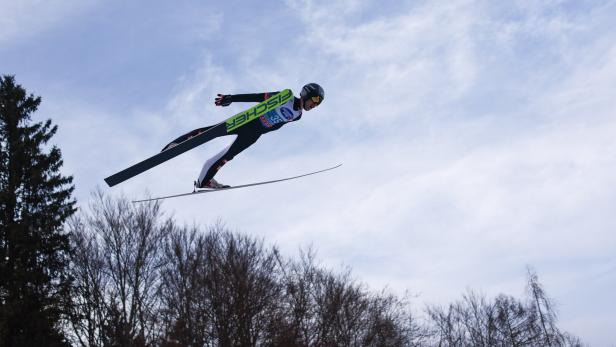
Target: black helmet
[{"x": 314, "y": 91}]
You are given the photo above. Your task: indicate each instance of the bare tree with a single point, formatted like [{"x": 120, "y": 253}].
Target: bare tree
[
  {"x": 185, "y": 303},
  {"x": 218, "y": 288},
  {"x": 296, "y": 326},
  {"x": 513, "y": 322},
  {"x": 505, "y": 321},
  {"x": 542, "y": 310},
  {"x": 87, "y": 268},
  {"x": 116, "y": 262},
  {"x": 390, "y": 322},
  {"x": 322, "y": 308},
  {"x": 140, "y": 280},
  {"x": 241, "y": 281},
  {"x": 446, "y": 328}
]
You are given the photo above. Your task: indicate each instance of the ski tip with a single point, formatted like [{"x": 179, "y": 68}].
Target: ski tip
[
  {"x": 109, "y": 182},
  {"x": 333, "y": 167}
]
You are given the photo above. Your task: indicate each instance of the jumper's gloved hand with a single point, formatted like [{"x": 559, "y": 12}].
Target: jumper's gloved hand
[{"x": 222, "y": 100}]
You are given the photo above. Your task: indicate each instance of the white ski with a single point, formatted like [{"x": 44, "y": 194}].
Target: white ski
[{"x": 207, "y": 190}]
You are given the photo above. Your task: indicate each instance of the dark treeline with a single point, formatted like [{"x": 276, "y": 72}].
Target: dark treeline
[
  {"x": 141, "y": 280},
  {"x": 122, "y": 274}
]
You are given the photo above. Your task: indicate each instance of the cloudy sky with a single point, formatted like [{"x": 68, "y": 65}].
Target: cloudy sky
[{"x": 477, "y": 137}]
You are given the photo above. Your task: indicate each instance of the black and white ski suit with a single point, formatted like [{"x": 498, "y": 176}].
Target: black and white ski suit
[{"x": 247, "y": 134}]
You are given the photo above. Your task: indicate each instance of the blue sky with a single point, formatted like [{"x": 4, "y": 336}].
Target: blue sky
[{"x": 477, "y": 136}]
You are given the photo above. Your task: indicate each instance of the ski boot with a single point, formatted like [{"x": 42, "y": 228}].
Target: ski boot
[{"x": 211, "y": 184}]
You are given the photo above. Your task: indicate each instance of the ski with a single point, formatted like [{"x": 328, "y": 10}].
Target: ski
[
  {"x": 207, "y": 190},
  {"x": 230, "y": 124}
]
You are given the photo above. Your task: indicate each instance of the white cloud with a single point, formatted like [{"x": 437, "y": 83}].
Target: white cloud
[{"x": 23, "y": 19}]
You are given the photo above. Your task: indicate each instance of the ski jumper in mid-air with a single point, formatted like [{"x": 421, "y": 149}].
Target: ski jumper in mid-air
[{"x": 311, "y": 96}]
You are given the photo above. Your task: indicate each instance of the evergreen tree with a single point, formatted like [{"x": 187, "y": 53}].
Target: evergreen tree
[{"x": 35, "y": 200}]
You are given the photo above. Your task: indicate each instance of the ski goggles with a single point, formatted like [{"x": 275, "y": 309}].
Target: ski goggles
[{"x": 316, "y": 99}]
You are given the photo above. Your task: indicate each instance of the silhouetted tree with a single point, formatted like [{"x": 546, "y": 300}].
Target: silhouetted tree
[
  {"x": 242, "y": 287},
  {"x": 116, "y": 264},
  {"x": 185, "y": 310},
  {"x": 35, "y": 201},
  {"x": 322, "y": 308},
  {"x": 218, "y": 288},
  {"x": 89, "y": 314},
  {"x": 505, "y": 321},
  {"x": 141, "y": 280}
]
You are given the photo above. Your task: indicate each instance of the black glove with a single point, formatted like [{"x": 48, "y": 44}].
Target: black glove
[{"x": 222, "y": 100}]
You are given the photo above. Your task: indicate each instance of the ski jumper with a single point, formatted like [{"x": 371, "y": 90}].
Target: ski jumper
[{"x": 246, "y": 135}]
